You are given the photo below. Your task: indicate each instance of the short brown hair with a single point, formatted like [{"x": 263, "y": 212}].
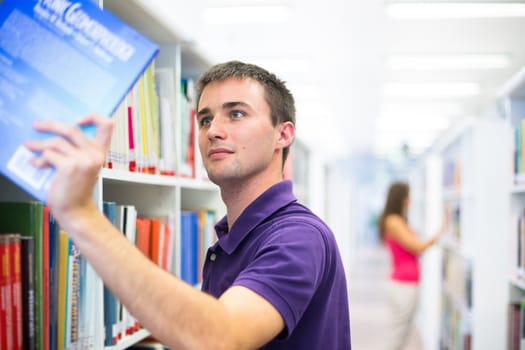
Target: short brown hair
[{"x": 277, "y": 95}]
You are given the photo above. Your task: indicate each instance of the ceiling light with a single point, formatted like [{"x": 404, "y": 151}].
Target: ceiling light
[
  {"x": 433, "y": 89},
  {"x": 412, "y": 123},
  {"x": 453, "y": 61},
  {"x": 432, "y": 109},
  {"x": 440, "y": 10},
  {"x": 245, "y": 14}
]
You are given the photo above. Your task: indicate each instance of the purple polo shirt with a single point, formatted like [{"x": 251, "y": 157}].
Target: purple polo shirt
[{"x": 282, "y": 251}]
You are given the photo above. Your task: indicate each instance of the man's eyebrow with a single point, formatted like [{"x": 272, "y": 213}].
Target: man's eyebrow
[
  {"x": 203, "y": 111},
  {"x": 225, "y": 105},
  {"x": 228, "y": 105}
]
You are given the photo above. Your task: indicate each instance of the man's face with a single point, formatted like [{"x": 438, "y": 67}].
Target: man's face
[{"x": 236, "y": 137}]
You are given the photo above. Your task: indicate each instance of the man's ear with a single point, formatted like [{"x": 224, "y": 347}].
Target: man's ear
[{"x": 286, "y": 134}]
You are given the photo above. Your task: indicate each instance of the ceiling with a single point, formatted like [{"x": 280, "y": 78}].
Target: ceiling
[{"x": 333, "y": 55}]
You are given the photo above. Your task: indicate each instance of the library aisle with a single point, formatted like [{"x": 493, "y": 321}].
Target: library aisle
[{"x": 368, "y": 309}]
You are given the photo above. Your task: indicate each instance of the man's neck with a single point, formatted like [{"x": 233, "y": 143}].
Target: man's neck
[{"x": 238, "y": 196}]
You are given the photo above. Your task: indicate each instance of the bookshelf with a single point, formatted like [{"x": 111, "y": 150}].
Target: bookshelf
[
  {"x": 425, "y": 216},
  {"x": 511, "y": 102},
  {"x": 152, "y": 195},
  {"x": 474, "y": 250}
]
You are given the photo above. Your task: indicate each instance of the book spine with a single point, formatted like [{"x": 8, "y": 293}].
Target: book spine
[
  {"x": 6, "y": 321},
  {"x": 75, "y": 282},
  {"x": 28, "y": 292},
  {"x": 53, "y": 281},
  {"x": 45, "y": 277},
  {"x": 14, "y": 252}
]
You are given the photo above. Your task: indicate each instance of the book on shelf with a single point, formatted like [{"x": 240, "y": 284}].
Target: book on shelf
[
  {"x": 110, "y": 301},
  {"x": 165, "y": 82},
  {"x": 7, "y": 306},
  {"x": 519, "y": 143},
  {"x": 69, "y": 59},
  {"x": 27, "y": 246},
  {"x": 514, "y": 326},
  {"x": 17, "y": 323},
  {"x": 63, "y": 257},
  {"x": 26, "y": 219},
  {"x": 187, "y": 129}
]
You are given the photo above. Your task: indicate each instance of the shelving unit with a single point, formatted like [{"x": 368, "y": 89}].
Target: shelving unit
[
  {"x": 467, "y": 171},
  {"x": 425, "y": 214},
  {"x": 511, "y": 101},
  {"x": 476, "y": 187}
]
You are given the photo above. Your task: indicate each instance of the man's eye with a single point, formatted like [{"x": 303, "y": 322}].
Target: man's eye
[
  {"x": 205, "y": 121},
  {"x": 236, "y": 114}
]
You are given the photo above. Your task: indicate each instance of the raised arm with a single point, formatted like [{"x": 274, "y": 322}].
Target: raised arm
[
  {"x": 173, "y": 311},
  {"x": 398, "y": 229}
]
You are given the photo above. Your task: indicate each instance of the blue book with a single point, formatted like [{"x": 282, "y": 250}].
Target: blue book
[
  {"x": 188, "y": 246},
  {"x": 60, "y": 60},
  {"x": 110, "y": 301},
  {"x": 54, "y": 235}
]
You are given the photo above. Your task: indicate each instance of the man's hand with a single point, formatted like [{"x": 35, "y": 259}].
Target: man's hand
[{"x": 77, "y": 160}]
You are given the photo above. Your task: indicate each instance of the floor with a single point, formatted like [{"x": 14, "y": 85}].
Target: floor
[{"x": 368, "y": 313}]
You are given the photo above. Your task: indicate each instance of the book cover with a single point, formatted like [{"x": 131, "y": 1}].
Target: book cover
[{"x": 60, "y": 60}]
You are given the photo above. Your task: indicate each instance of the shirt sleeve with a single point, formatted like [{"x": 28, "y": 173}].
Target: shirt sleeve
[{"x": 287, "y": 269}]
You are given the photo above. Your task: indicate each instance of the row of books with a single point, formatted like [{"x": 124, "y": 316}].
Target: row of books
[
  {"x": 457, "y": 278},
  {"x": 29, "y": 276},
  {"x": 155, "y": 129},
  {"x": 452, "y": 173},
  {"x": 180, "y": 252},
  {"x": 48, "y": 287},
  {"x": 516, "y": 326},
  {"x": 456, "y": 301},
  {"x": 519, "y": 140},
  {"x": 454, "y": 231},
  {"x": 455, "y": 327},
  {"x": 517, "y": 246}
]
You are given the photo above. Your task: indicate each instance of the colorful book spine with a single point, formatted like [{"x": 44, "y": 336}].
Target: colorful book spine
[
  {"x": 6, "y": 306},
  {"x": 16, "y": 287},
  {"x": 28, "y": 292}
]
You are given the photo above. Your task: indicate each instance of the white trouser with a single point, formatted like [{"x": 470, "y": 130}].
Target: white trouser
[{"x": 402, "y": 299}]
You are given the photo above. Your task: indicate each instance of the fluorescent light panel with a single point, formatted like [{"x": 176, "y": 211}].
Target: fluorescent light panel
[
  {"x": 246, "y": 14},
  {"x": 432, "y": 89},
  {"x": 429, "y": 109},
  {"x": 443, "y": 10},
  {"x": 407, "y": 123},
  {"x": 444, "y": 62}
]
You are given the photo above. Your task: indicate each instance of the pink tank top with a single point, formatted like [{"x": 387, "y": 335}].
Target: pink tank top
[{"x": 405, "y": 265}]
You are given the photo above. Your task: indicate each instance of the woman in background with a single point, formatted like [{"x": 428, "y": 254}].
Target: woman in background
[{"x": 405, "y": 248}]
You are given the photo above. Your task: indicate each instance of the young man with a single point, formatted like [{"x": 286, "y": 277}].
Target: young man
[{"x": 274, "y": 279}]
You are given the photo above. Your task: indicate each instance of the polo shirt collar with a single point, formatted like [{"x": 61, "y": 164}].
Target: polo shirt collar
[{"x": 273, "y": 199}]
